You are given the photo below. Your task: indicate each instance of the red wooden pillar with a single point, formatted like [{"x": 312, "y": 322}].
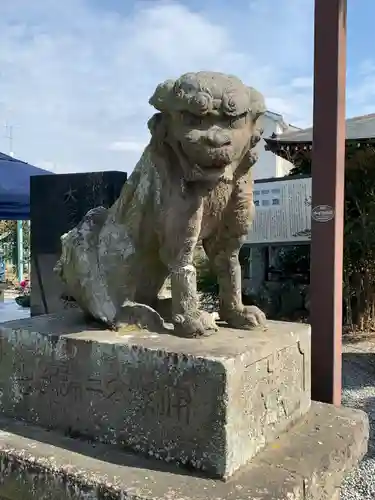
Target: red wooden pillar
[{"x": 328, "y": 163}]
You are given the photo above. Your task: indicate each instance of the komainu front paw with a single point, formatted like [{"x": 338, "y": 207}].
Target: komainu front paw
[
  {"x": 195, "y": 324},
  {"x": 248, "y": 317}
]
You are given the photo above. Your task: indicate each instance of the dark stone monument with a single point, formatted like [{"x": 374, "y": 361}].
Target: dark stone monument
[{"x": 58, "y": 203}]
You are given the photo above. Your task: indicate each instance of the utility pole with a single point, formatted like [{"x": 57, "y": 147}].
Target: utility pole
[
  {"x": 20, "y": 258},
  {"x": 9, "y": 136}
]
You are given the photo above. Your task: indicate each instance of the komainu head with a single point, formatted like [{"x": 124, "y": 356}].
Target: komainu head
[{"x": 209, "y": 119}]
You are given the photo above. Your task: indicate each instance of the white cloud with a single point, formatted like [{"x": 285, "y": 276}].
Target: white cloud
[
  {"x": 361, "y": 95},
  {"x": 302, "y": 83},
  {"x": 75, "y": 80},
  {"x": 127, "y": 146}
]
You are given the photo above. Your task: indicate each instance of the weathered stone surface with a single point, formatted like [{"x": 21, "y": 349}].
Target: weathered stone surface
[
  {"x": 210, "y": 403},
  {"x": 192, "y": 184},
  {"x": 307, "y": 463}
]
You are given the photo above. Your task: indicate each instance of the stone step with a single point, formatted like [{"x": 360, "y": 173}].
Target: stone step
[
  {"x": 210, "y": 403},
  {"x": 308, "y": 462}
]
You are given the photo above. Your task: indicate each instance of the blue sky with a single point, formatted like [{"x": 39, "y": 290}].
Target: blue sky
[{"x": 75, "y": 76}]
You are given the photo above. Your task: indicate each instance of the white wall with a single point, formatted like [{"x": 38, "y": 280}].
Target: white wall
[{"x": 270, "y": 165}]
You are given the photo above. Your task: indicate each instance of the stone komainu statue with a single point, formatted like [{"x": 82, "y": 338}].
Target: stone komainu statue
[{"x": 191, "y": 184}]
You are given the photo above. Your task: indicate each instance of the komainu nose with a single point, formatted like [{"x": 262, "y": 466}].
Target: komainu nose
[{"x": 218, "y": 139}]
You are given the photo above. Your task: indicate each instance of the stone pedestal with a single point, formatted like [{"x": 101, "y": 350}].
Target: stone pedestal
[
  {"x": 307, "y": 463},
  {"x": 211, "y": 403}
]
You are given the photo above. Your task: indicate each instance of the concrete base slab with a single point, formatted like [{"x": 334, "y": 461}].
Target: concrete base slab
[
  {"x": 210, "y": 403},
  {"x": 307, "y": 463}
]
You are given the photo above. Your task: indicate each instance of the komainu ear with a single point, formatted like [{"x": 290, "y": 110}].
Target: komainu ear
[
  {"x": 258, "y": 105},
  {"x": 157, "y": 126},
  {"x": 256, "y": 137}
]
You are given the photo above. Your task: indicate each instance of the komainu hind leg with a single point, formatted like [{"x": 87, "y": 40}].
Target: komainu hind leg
[{"x": 149, "y": 274}]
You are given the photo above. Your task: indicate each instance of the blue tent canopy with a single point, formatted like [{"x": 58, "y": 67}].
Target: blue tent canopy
[{"x": 15, "y": 187}]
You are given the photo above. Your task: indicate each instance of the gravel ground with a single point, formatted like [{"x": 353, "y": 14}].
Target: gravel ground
[{"x": 359, "y": 392}]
